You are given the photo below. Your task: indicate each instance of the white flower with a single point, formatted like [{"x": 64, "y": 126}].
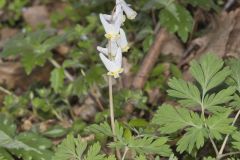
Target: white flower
[
  {"x": 111, "y": 29},
  {"x": 103, "y": 50},
  {"x": 122, "y": 41},
  {"x": 118, "y": 12},
  {"x": 131, "y": 14},
  {"x": 114, "y": 67},
  {"x": 110, "y": 49}
]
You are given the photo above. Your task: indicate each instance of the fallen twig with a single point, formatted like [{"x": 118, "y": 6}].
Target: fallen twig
[{"x": 150, "y": 60}]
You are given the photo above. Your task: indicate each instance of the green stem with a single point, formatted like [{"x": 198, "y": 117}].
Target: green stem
[
  {"x": 67, "y": 74},
  {"x": 125, "y": 153},
  {"x": 228, "y": 154},
  {"x": 205, "y": 124},
  {"x": 112, "y": 117},
  {"x": 4, "y": 90},
  {"x": 57, "y": 115},
  {"x": 227, "y": 136},
  {"x": 111, "y": 106}
]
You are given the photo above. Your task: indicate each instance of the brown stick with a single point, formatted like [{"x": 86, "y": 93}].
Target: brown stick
[
  {"x": 150, "y": 60},
  {"x": 147, "y": 65}
]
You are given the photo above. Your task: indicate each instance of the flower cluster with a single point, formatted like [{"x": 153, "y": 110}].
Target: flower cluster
[{"x": 111, "y": 56}]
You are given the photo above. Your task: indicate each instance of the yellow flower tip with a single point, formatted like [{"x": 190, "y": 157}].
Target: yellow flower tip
[
  {"x": 112, "y": 36},
  {"x": 132, "y": 16},
  {"x": 115, "y": 74},
  {"x": 125, "y": 49},
  {"x": 123, "y": 18}
]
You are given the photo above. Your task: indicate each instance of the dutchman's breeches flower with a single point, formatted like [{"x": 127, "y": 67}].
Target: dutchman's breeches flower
[
  {"x": 118, "y": 12},
  {"x": 111, "y": 49},
  {"x": 122, "y": 41},
  {"x": 131, "y": 14},
  {"x": 113, "y": 66},
  {"x": 111, "y": 29},
  {"x": 111, "y": 56}
]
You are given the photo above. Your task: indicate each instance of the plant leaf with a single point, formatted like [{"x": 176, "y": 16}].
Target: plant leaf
[
  {"x": 176, "y": 19},
  {"x": 219, "y": 124},
  {"x": 9, "y": 143},
  {"x": 236, "y": 138},
  {"x": 221, "y": 97},
  {"x": 57, "y": 79},
  {"x": 70, "y": 148},
  {"x": 193, "y": 137},
  {"x": 188, "y": 93},
  {"x": 103, "y": 128},
  {"x": 76, "y": 149},
  {"x": 173, "y": 119},
  {"x": 235, "y": 65},
  {"x": 93, "y": 153},
  {"x": 149, "y": 145},
  {"x": 207, "y": 74}
]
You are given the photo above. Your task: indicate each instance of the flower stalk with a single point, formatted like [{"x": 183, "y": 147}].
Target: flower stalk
[{"x": 111, "y": 55}]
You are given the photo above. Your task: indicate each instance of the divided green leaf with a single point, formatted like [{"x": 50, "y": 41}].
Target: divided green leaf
[
  {"x": 9, "y": 143},
  {"x": 220, "y": 124},
  {"x": 102, "y": 128},
  {"x": 173, "y": 119},
  {"x": 57, "y": 79},
  {"x": 235, "y": 65},
  {"x": 176, "y": 19},
  {"x": 77, "y": 149},
  {"x": 187, "y": 92},
  {"x": 209, "y": 71},
  {"x": 194, "y": 137},
  {"x": 236, "y": 138},
  {"x": 213, "y": 100},
  {"x": 34, "y": 48}
]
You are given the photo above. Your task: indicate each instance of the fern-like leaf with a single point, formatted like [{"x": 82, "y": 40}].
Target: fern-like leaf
[
  {"x": 193, "y": 137},
  {"x": 173, "y": 119},
  {"x": 219, "y": 124},
  {"x": 188, "y": 93},
  {"x": 9, "y": 143},
  {"x": 103, "y": 128},
  {"x": 209, "y": 71},
  {"x": 76, "y": 149}
]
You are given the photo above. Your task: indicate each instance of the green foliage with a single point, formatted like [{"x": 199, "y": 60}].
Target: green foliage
[
  {"x": 187, "y": 92},
  {"x": 173, "y": 119},
  {"x": 2, "y": 3},
  {"x": 208, "y": 94},
  {"x": 235, "y": 65},
  {"x": 138, "y": 122},
  {"x": 9, "y": 143},
  {"x": 34, "y": 48},
  {"x": 208, "y": 77},
  {"x": 77, "y": 149},
  {"x": 176, "y": 19},
  {"x": 35, "y": 141},
  {"x": 174, "y": 16},
  {"x": 212, "y": 101},
  {"x": 55, "y": 131},
  {"x": 57, "y": 79},
  {"x": 25, "y": 145},
  {"x": 207, "y": 74},
  {"x": 194, "y": 137},
  {"x": 236, "y": 140},
  {"x": 103, "y": 128},
  {"x": 136, "y": 98},
  {"x": 140, "y": 157},
  {"x": 219, "y": 124},
  {"x": 142, "y": 145}
]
